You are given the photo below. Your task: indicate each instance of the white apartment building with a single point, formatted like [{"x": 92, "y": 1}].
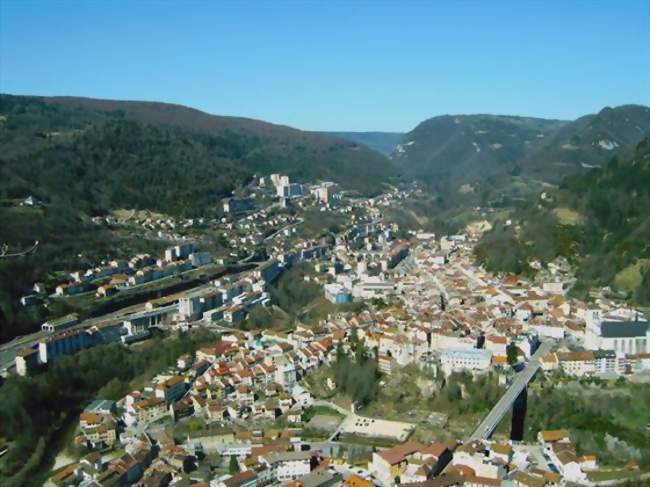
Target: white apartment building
[
  {"x": 620, "y": 331},
  {"x": 457, "y": 360}
]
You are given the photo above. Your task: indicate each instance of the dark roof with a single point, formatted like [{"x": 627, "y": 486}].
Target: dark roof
[
  {"x": 623, "y": 329},
  {"x": 604, "y": 354},
  {"x": 442, "y": 481}
]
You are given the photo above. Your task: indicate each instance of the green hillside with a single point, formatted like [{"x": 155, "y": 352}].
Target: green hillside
[
  {"x": 469, "y": 148},
  {"x": 599, "y": 220},
  {"x": 83, "y": 157},
  {"x": 466, "y": 148}
]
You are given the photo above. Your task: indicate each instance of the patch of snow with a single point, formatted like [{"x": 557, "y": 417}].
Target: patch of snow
[
  {"x": 540, "y": 136},
  {"x": 410, "y": 142},
  {"x": 457, "y": 120},
  {"x": 476, "y": 146},
  {"x": 481, "y": 132},
  {"x": 400, "y": 149},
  {"x": 496, "y": 146},
  {"x": 589, "y": 166},
  {"x": 607, "y": 144},
  {"x": 569, "y": 147}
]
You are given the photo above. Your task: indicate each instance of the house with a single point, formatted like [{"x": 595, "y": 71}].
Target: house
[
  {"x": 105, "y": 291},
  {"x": 68, "y": 475},
  {"x": 497, "y": 345},
  {"x": 395, "y": 462},
  {"x": 234, "y": 314},
  {"x": 579, "y": 364},
  {"x": 171, "y": 390},
  {"x": 70, "y": 289},
  {"x": 549, "y": 362},
  {"x": 285, "y": 375},
  {"x": 337, "y": 294},
  {"x": 98, "y": 429},
  {"x": 301, "y": 396},
  {"x": 214, "y": 351},
  {"x": 355, "y": 481},
  {"x": 247, "y": 478},
  {"x": 501, "y": 451},
  {"x": 550, "y": 436},
  {"x": 210, "y": 439},
  {"x": 568, "y": 465},
  {"x": 60, "y": 324},
  {"x": 317, "y": 478},
  {"x": 456, "y": 360},
  {"x": 147, "y": 410},
  {"x": 287, "y": 465},
  {"x": 294, "y": 415}
]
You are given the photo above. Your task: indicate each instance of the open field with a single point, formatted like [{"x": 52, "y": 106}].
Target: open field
[{"x": 567, "y": 216}]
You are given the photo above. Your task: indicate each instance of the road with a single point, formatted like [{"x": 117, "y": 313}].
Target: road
[
  {"x": 489, "y": 424},
  {"x": 9, "y": 350},
  {"x": 5, "y": 249},
  {"x": 290, "y": 225}
]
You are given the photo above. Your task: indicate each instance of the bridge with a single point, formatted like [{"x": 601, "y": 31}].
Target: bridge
[{"x": 494, "y": 417}]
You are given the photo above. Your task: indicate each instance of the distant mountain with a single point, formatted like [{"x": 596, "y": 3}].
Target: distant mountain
[
  {"x": 383, "y": 142},
  {"x": 270, "y": 147},
  {"x": 592, "y": 140},
  {"x": 469, "y": 147},
  {"x": 465, "y": 147}
]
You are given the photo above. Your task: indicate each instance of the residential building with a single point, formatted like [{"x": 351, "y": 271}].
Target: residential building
[
  {"x": 288, "y": 465},
  {"x": 456, "y": 360},
  {"x": 27, "y": 361},
  {"x": 171, "y": 390},
  {"x": 623, "y": 333}
]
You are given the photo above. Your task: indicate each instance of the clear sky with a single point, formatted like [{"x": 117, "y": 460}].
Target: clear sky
[{"x": 333, "y": 65}]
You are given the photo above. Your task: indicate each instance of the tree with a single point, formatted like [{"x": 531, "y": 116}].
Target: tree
[
  {"x": 512, "y": 353},
  {"x": 360, "y": 353},
  {"x": 354, "y": 336},
  {"x": 233, "y": 467}
]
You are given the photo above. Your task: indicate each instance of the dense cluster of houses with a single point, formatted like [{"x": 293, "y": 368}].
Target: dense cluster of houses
[
  {"x": 243, "y": 376},
  {"x": 432, "y": 306},
  {"x": 109, "y": 277}
]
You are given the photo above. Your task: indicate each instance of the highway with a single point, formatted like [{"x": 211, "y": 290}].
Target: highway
[
  {"x": 9, "y": 350},
  {"x": 489, "y": 424}
]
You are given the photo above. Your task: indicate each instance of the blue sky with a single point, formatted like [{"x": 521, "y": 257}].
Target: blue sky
[{"x": 331, "y": 65}]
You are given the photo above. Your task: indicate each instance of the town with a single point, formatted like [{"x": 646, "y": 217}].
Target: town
[{"x": 323, "y": 402}]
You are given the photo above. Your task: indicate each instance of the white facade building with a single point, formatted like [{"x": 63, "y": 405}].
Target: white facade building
[
  {"x": 455, "y": 360},
  {"x": 618, "y": 331}
]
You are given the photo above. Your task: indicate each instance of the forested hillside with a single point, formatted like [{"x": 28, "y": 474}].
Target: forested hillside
[
  {"x": 111, "y": 147},
  {"x": 83, "y": 157},
  {"x": 599, "y": 220},
  {"x": 465, "y": 148},
  {"x": 469, "y": 148}
]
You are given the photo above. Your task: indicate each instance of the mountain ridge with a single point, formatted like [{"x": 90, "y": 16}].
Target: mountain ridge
[
  {"x": 253, "y": 145},
  {"x": 463, "y": 148},
  {"x": 383, "y": 142}
]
